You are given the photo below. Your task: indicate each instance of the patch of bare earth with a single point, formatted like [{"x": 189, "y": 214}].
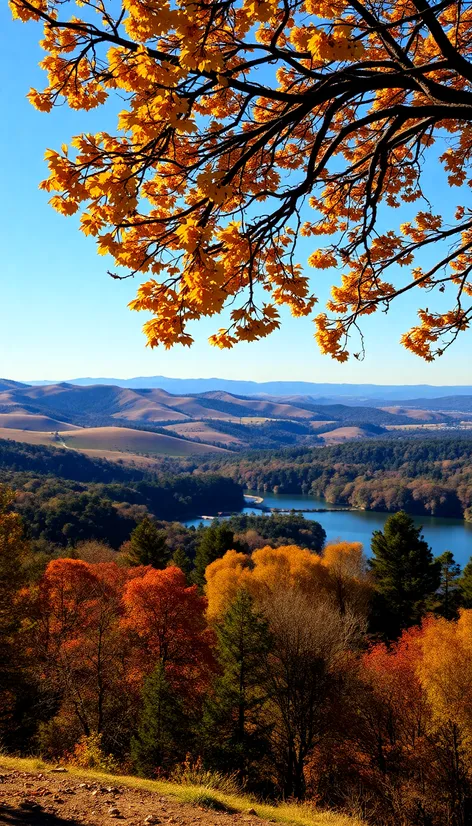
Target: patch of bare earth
[{"x": 59, "y": 799}]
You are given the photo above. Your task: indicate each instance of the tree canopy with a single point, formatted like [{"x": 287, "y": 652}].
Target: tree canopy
[{"x": 249, "y": 124}]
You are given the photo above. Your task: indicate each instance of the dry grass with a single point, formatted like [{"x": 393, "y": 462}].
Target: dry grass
[
  {"x": 31, "y": 437},
  {"x": 204, "y": 432},
  {"x": 32, "y": 421},
  {"x": 291, "y": 814},
  {"x": 133, "y": 441},
  {"x": 112, "y": 440},
  {"x": 344, "y": 434}
]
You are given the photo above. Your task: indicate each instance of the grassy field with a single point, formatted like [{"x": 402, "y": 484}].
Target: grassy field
[
  {"x": 343, "y": 434},
  {"x": 30, "y": 421},
  {"x": 204, "y": 432},
  {"x": 291, "y": 814},
  {"x": 31, "y": 437},
  {"x": 133, "y": 441},
  {"x": 122, "y": 440}
]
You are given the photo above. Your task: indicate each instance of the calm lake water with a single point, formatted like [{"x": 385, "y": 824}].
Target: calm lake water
[{"x": 357, "y": 526}]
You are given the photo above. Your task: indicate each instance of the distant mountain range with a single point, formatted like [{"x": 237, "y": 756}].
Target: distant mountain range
[{"x": 320, "y": 392}]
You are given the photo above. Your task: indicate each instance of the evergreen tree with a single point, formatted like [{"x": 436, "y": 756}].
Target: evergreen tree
[
  {"x": 181, "y": 560},
  {"x": 465, "y": 585},
  {"x": 448, "y": 596},
  {"x": 148, "y": 545},
  {"x": 215, "y": 541},
  {"x": 235, "y": 726},
  {"x": 159, "y": 742},
  {"x": 405, "y": 575}
]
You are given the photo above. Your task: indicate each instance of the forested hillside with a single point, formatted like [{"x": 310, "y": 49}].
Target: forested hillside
[
  {"x": 66, "y": 497},
  {"x": 424, "y": 476}
]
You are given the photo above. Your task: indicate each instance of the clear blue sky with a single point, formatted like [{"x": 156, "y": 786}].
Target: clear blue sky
[{"x": 62, "y": 317}]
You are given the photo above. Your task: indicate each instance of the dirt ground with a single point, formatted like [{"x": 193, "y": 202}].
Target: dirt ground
[{"x": 59, "y": 799}]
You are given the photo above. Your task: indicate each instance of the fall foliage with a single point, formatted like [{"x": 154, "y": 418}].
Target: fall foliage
[
  {"x": 274, "y": 677},
  {"x": 248, "y": 125}
]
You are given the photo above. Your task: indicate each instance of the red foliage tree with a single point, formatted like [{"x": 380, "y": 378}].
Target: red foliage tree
[
  {"x": 166, "y": 620},
  {"x": 77, "y": 639}
]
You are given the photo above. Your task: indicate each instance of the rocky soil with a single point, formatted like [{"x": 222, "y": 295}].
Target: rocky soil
[{"x": 56, "y": 798}]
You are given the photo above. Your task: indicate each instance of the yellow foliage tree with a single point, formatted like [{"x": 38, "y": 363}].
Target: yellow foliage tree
[
  {"x": 348, "y": 576},
  {"x": 338, "y": 577},
  {"x": 445, "y": 670},
  {"x": 249, "y": 124},
  {"x": 224, "y": 578}
]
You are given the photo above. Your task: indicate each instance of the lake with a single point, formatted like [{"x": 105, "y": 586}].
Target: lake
[{"x": 357, "y": 526}]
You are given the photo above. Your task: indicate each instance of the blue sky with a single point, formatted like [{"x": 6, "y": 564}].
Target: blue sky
[{"x": 61, "y": 316}]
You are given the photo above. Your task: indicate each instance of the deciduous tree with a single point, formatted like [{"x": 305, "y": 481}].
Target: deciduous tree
[
  {"x": 311, "y": 640},
  {"x": 349, "y": 579},
  {"x": 13, "y": 554},
  {"x": 166, "y": 620},
  {"x": 80, "y": 651},
  {"x": 249, "y": 124}
]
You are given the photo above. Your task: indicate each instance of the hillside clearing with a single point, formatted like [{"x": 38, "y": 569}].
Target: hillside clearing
[
  {"x": 344, "y": 434},
  {"x": 35, "y": 422},
  {"x": 134, "y": 441},
  {"x": 32, "y": 794},
  {"x": 204, "y": 432},
  {"x": 123, "y": 440}
]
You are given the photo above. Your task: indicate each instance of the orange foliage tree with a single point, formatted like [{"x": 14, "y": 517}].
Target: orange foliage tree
[
  {"x": 96, "y": 631},
  {"x": 248, "y": 124},
  {"x": 81, "y": 654},
  {"x": 416, "y": 723}
]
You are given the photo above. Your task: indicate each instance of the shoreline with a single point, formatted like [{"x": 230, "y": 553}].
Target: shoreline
[{"x": 257, "y": 502}]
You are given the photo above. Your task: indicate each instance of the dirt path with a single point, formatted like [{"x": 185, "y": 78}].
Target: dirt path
[{"x": 60, "y": 799}]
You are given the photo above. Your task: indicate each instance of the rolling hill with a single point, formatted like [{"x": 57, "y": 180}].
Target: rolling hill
[
  {"x": 113, "y": 442},
  {"x": 419, "y": 415},
  {"x": 348, "y": 433},
  {"x": 153, "y": 421},
  {"x": 33, "y": 421}
]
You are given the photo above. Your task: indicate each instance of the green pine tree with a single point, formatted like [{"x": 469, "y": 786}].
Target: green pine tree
[
  {"x": 215, "y": 541},
  {"x": 148, "y": 545},
  {"x": 448, "y": 596},
  {"x": 181, "y": 560},
  {"x": 235, "y": 724},
  {"x": 405, "y": 575},
  {"x": 465, "y": 585},
  {"x": 160, "y": 739}
]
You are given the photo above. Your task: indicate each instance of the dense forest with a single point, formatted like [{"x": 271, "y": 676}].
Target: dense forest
[
  {"x": 423, "y": 476},
  {"x": 66, "y": 497},
  {"x": 248, "y": 653}
]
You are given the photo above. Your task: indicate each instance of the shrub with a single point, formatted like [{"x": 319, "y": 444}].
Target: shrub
[
  {"x": 88, "y": 754},
  {"x": 194, "y": 774}
]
